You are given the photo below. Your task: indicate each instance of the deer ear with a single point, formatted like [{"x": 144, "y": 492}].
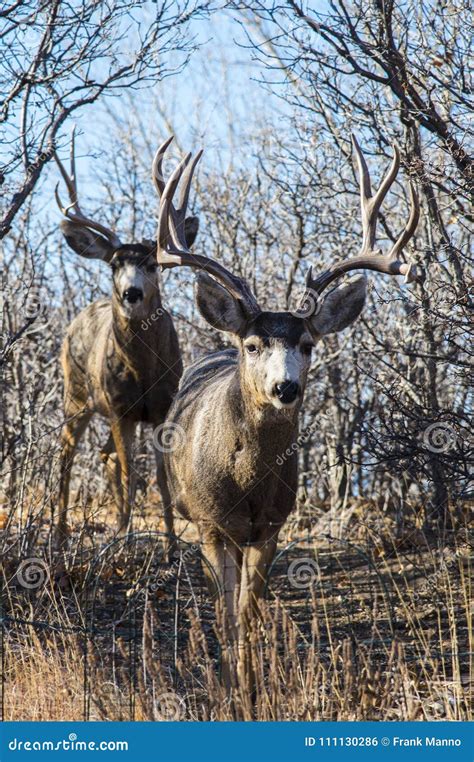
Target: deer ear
[
  {"x": 191, "y": 227},
  {"x": 85, "y": 242},
  {"x": 340, "y": 307},
  {"x": 221, "y": 310}
]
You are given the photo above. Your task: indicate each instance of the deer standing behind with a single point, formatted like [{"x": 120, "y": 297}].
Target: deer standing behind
[
  {"x": 120, "y": 356},
  {"x": 238, "y": 408}
]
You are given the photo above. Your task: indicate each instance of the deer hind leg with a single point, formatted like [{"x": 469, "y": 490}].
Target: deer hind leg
[
  {"x": 171, "y": 544},
  {"x": 225, "y": 559},
  {"x": 122, "y": 434},
  {"x": 256, "y": 561},
  {"x": 72, "y": 431}
]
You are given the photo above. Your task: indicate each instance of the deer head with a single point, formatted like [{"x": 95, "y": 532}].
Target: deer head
[
  {"x": 275, "y": 347},
  {"x": 133, "y": 265}
]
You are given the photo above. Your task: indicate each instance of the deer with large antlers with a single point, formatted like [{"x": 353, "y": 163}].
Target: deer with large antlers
[
  {"x": 239, "y": 407},
  {"x": 120, "y": 357}
]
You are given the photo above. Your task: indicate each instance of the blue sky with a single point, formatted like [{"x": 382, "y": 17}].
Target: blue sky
[
  {"x": 216, "y": 103},
  {"x": 218, "y": 88}
]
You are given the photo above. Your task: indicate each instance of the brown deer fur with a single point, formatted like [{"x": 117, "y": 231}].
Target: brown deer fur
[
  {"x": 238, "y": 409},
  {"x": 122, "y": 361}
]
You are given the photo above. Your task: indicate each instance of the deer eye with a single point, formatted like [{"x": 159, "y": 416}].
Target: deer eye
[
  {"x": 307, "y": 349},
  {"x": 252, "y": 349},
  {"x": 151, "y": 268}
]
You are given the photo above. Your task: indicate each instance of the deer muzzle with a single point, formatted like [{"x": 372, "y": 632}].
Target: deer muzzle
[
  {"x": 132, "y": 295},
  {"x": 287, "y": 391}
]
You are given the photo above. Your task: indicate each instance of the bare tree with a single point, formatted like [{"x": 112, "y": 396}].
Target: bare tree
[
  {"x": 393, "y": 71},
  {"x": 64, "y": 56}
]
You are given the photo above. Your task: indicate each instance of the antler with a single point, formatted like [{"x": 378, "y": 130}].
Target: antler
[
  {"x": 78, "y": 217},
  {"x": 172, "y": 249},
  {"x": 368, "y": 258}
]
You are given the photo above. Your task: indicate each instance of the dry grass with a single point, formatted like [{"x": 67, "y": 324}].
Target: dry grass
[{"x": 383, "y": 630}]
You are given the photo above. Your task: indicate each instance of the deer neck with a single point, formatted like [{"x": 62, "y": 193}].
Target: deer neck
[
  {"x": 132, "y": 334},
  {"x": 265, "y": 430}
]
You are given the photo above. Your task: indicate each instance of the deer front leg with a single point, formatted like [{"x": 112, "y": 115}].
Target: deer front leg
[
  {"x": 122, "y": 433},
  {"x": 70, "y": 436},
  {"x": 225, "y": 558},
  {"x": 110, "y": 459},
  {"x": 162, "y": 483},
  {"x": 255, "y": 564}
]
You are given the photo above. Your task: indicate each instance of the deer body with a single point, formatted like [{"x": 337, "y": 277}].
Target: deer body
[
  {"x": 230, "y": 479},
  {"x": 119, "y": 362},
  {"x": 226, "y": 478},
  {"x": 120, "y": 357},
  {"x": 238, "y": 409},
  {"x": 123, "y": 362}
]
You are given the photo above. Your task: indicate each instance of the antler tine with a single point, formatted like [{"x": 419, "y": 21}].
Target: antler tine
[
  {"x": 157, "y": 166},
  {"x": 70, "y": 180},
  {"x": 387, "y": 181},
  {"x": 367, "y": 258},
  {"x": 167, "y": 218},
  {"x": 370, "y": 205},
  {"x": 63, "y": 209},
  {"x": 72, "y": 192},
  {"x": 186, "y": 185},
  {"x": 172, "y": 249},
  {"x": 364, "y": 176},
  {"x": 177, "y": 216},
  {"x": 171, "y": 219},
  {"x": 410, "y": 227},
  {"x": 78, "y": 217}
]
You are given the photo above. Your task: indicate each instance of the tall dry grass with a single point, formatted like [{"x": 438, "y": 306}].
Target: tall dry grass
[{"x": 382, "y": 631}]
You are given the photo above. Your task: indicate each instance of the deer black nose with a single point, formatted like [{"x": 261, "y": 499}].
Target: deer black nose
[
  {"x": 287, "y": 391},
  {"x": 133, "y": 294}
]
